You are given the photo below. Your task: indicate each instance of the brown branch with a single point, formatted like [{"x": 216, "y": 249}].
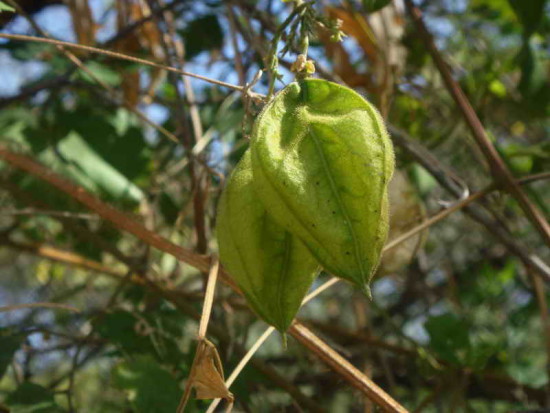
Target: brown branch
[
  {"x": 66, "y": 257},
  {"x": 499, "y": 170},
  {"x": 344, "y": 368},
  {"x": 201, "y": 262},
  {"x": 80, "y": 231},
  {"x": 105, "y": 211}
]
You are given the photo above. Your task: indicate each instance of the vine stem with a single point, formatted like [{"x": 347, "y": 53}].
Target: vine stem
[{"x": 203, "y": 326}]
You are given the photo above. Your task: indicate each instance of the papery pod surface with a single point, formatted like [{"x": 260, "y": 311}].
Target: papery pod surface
[
  {"x": 322, "y": 160},
  {"x": 272, "y": 267}
]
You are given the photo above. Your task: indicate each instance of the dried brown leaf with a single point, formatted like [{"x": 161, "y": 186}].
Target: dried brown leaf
[{"x": 206, "y": 376}]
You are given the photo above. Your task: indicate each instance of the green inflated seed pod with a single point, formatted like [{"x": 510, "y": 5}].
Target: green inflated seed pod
[
  {"x": 322, "y": 160},
  {"x": 272, "y": 267}
]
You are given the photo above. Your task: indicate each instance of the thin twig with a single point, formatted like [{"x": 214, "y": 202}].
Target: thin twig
[
  {"x": 66, "y": 257},
  {"x": 209, "y": 298},
  {"x": 238, "y": 58},
  {"x": 32, "y": 211},
  {"x": 117, "y": 55},
  {"x": 242, "y": 364},
  {"x": 196, "y": 176},
  {"x": 54, "y": 306},
  {"x": 203, "y": 325}
]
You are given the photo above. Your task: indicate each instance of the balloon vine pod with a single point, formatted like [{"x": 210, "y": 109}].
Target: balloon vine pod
[
  {"x": 272, "y": 266},
  {"x": 321, "y": 163}
]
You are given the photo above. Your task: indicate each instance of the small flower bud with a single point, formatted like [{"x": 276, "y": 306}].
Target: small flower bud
[
  {"x": 310, "y": 67},
  {"x": 299, "y": 65}
]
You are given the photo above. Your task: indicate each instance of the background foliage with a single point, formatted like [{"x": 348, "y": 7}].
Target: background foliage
[{"x": 458, "y": 321}]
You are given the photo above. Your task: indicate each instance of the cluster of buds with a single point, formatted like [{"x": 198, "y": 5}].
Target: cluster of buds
[{"x": 302, "y": 65}]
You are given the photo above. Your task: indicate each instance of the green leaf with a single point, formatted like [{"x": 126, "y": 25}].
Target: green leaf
[
  {"x": 102, "y": 72},
  {"x": 168, "y": 207},
  {"x": 501, "y": 11},
  {"x": 156, "y": 333},
  {"x": 449, "y": 337},
  {"x": 14, "y": 122},
  {"x": 80, "y": 162},
  {"x": 9, "y": 344},
  {"x": 5, "y": 7},
  {"x": 27, "y": 50},
  {"x": 533, "y": 61},
  {"x": 497, "y": 88},
  {"x": 423, "y": 180},
  {"x": 116, "y": 137},
  {"x": 32, "y": 398},
  {"x": 322, "y": 161},
  {"x": 202, "y": 34},
  {"x": 272, "y": 267},
  {"x": 119, "y": 328},
  {"x": 149, "y": 387},
  {"x": 517, "y": 157}
]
